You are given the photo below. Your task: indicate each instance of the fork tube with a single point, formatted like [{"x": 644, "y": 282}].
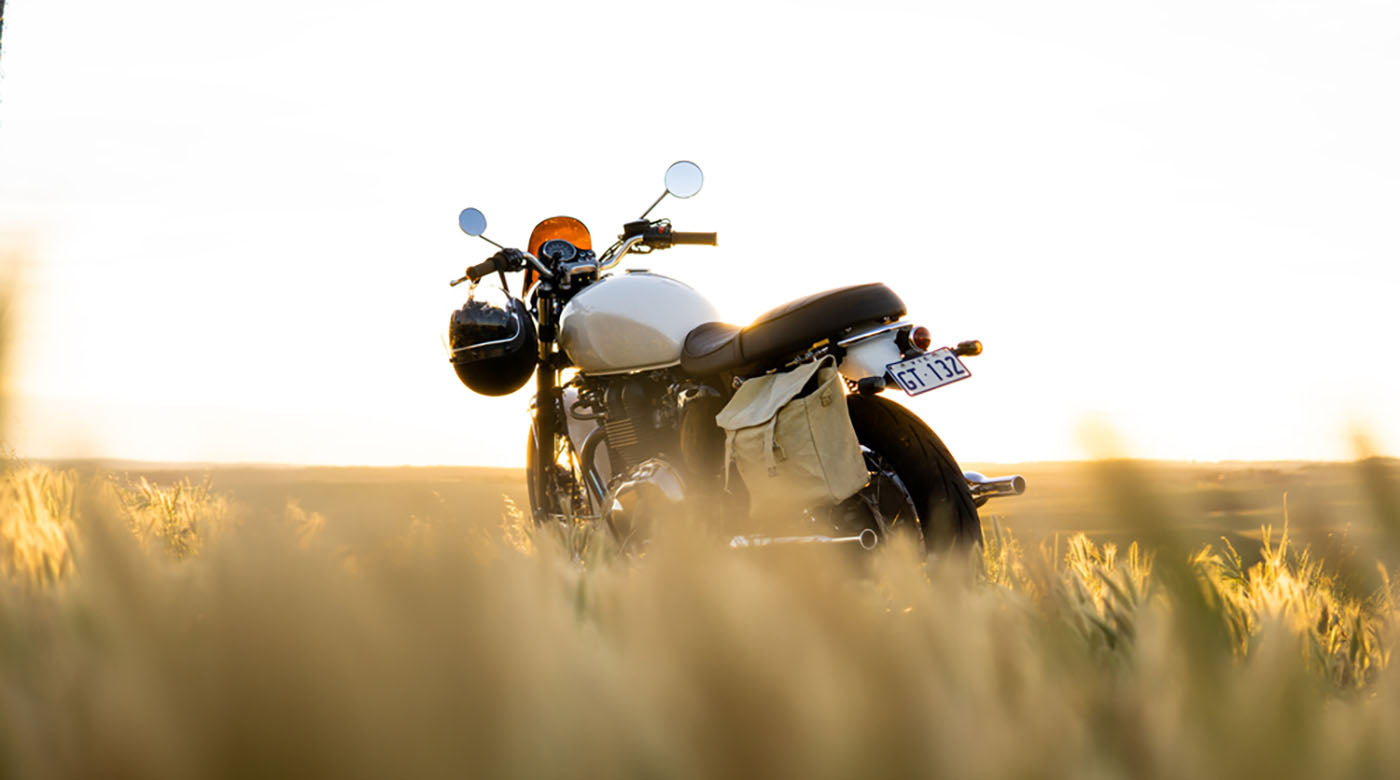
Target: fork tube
[{"x": 546, "y": 414}]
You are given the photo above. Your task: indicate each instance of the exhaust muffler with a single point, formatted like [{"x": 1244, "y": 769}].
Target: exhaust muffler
[
  {"x": 866, "y": 539},
  {"x": 984, "y": 487}
]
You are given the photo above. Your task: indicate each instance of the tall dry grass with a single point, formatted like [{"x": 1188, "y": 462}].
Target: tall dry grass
[
  {"x": 475, "y": 646},
  {"x": 178, "y": 519},
  {"x": 36, "y": 525}
]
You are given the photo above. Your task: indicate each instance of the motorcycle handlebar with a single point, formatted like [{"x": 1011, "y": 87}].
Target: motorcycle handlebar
[
  {"x": 659, "y": 235},
  {"x": 506, "y": 260},
  {"x": 710, "y": 239},
  {"x": 481, "y": 269}
]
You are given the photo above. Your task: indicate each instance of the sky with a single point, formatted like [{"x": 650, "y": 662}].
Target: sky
[{"x": 232, "y": 233}]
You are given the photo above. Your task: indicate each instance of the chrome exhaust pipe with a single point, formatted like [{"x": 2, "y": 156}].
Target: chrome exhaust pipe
[
  {"x": 867, "y": 540},
  {"x": 591, "y": 480},
  {"x": 649, "y": 490},
  {"x": 984, "y": 487}
]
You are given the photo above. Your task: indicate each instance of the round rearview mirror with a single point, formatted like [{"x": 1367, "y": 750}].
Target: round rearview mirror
[
  {"x": 472, "y": 222},
  {"x": 683, "y": 179}
]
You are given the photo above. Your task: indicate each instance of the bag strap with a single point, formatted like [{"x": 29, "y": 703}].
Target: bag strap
[
  {"x": 769, "y": 446},
  {"x": 728, "y": 456}
]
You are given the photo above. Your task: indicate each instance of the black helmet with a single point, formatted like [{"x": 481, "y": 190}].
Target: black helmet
[{"x": 494, "y": 348}]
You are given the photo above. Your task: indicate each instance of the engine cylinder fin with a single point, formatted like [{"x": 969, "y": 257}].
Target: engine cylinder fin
[
  {"x": 621, "y": 433},
  {"x": 621, "y": 438}
]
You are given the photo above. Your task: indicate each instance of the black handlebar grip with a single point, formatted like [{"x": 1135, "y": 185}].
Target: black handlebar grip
[
  {"x": 710, "y": 239},
  {"x": 481, "y": 269}
]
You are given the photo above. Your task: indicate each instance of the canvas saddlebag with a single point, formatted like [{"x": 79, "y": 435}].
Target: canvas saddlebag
[{"x": 793, "y": 449}]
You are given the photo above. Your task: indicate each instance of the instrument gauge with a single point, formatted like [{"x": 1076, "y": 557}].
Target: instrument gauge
[{"x": 558, "y": 250}]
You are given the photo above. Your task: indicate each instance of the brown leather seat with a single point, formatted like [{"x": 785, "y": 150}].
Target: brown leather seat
[{"x": 716, "y": 347}]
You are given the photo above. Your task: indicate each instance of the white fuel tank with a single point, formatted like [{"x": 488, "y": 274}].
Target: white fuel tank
[{"x": 634, "y": 322}]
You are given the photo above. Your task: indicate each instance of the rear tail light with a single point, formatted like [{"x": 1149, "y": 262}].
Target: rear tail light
[{"x": 920, "y": 338}]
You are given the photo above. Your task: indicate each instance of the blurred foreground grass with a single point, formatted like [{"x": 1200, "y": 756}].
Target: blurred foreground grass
[{"x": 159, "y": 629}]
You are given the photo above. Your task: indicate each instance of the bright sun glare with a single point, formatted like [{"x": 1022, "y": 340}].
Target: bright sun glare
[{"x": 1176, "y": 220}]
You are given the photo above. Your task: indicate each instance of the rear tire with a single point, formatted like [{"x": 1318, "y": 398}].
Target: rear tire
[{"x": 935, "y": 483}]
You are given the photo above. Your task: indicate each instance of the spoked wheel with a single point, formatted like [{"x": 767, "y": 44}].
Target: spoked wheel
[
  {"x": 555, "y": 489},
  {"x": 884, "y": 505},
  {"x": 914, "y": 481}
]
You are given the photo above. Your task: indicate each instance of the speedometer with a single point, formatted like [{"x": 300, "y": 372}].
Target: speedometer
[{"x": 558, "y": 250}]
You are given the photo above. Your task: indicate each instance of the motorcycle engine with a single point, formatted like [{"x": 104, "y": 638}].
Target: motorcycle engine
[
  {"x": 658, "y": 415},
  {"x": 663, "y": 446},
  {"x": 638, "y": 419}
]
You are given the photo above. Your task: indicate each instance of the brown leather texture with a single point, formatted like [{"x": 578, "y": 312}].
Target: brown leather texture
[{"x": 715, "y": 347}]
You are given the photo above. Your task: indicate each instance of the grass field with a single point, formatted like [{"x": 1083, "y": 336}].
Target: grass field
[
  {"x": 1204, "y": 501},
  {"x": 160, "y": 621}
]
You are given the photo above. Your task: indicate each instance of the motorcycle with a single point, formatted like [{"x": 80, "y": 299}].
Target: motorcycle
[{"x": 633, "y": 369}]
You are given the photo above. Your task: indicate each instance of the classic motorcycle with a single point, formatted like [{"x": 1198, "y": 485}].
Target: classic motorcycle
[{"x": 631, "y": 370}]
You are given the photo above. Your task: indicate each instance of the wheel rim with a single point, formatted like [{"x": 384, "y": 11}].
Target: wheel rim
[
  {"x": 885, "y": 501},
  {"x": 556, "y": 487}
]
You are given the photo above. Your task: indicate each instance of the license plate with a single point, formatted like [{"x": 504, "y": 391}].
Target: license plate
[{"x": 928, "y": 371}]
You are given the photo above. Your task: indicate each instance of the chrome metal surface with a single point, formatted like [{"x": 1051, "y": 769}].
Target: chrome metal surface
[
  {"x": 545, "y": 272},
  {"x": 873, "y": 332},
  {"x": 650, "y": 490},
  {"x": 984, "y": 487},
  {"x": 578, "y": 270},
  {"x": 610, "y": 260},
  {"x": 654, "y": 473},
  {"x": 866, "y": 540},
  {"x": 587, "y": 456}
]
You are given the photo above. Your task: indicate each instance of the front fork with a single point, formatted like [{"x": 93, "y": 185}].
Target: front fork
[
  {"x": 546, "y": 387},
  {"x": 551, "y": 425}
]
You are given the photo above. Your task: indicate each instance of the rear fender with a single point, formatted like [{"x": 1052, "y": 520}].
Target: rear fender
[{"x": 870, "y": 350}]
